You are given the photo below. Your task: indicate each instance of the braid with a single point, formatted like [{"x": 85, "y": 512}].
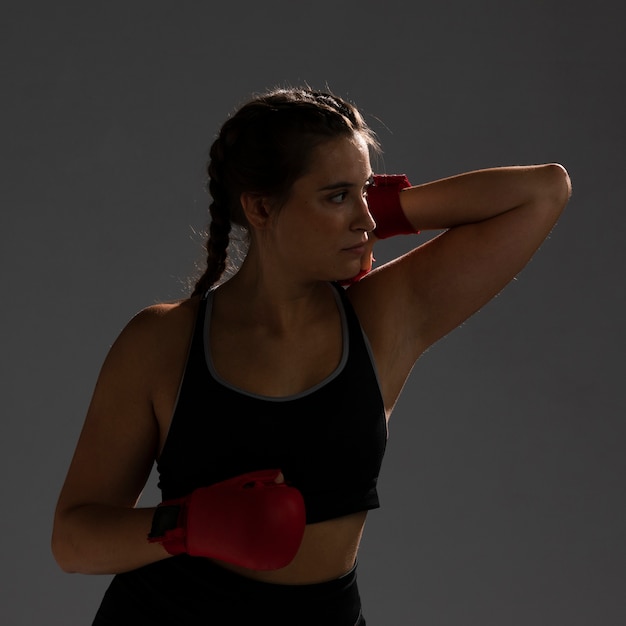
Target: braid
[
  {"x": 216, "y": 246},
  {"x": 220, "y": 225},
  {"x": 263, "y": 148}
]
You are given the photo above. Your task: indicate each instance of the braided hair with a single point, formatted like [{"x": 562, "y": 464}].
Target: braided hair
[{"x": 264, "y": 148}]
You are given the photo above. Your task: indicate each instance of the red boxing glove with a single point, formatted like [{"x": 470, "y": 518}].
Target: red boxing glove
[
  {"x": 251, "y": 521},
  {"x": 383, "y": 199}
]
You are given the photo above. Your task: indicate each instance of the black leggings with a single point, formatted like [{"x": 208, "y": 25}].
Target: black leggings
[{"x": 187, "y": 591}]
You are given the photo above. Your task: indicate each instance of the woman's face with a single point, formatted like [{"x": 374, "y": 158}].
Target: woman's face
[{"x": 321, "y": 232}]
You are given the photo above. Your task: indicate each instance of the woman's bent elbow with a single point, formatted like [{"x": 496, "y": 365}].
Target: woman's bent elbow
[
  {"x": 60, "y": 552},
  {"x": 560, "y": 184}
]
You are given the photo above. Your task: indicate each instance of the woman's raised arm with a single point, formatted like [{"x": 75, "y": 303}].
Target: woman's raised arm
[{"x": 493, "y": 220}]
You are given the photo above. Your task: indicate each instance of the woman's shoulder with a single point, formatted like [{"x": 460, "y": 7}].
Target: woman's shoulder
[
  {"x": 159, "y": 328},
  {"x": 164, "y": 315}
]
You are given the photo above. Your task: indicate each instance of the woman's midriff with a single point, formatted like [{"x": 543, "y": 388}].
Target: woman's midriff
[{"x": 328, "y": 550}]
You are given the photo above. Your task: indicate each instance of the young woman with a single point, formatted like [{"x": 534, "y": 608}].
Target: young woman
[{"x": 264, "y": 398}]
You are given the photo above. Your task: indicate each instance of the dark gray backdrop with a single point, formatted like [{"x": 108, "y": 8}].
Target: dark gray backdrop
[{"x": 503, "y": 486}]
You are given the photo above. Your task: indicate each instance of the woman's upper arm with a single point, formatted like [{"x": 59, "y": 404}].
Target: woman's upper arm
[
  {"x": 410, "y": 303},
  {"x": 119, "y": 438},
  {"x": 455, "y": 274}
]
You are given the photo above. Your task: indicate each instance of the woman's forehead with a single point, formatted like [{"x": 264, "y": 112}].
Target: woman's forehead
[{"x": 343, "y": 159}]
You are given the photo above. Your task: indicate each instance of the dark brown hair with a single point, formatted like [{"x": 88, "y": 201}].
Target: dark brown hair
[{"x": 264, "y": 148}]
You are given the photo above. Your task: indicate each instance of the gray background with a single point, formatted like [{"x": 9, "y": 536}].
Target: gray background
[{"x": 503, "y": 485}]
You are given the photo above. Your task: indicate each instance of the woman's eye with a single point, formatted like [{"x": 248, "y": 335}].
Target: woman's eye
[{"x": 340, "y": 197}]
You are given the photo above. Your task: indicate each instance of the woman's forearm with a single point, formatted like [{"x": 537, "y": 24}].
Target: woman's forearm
[
  {"x": 102, "y": 539},
  {"x": 482, "y": 194}
]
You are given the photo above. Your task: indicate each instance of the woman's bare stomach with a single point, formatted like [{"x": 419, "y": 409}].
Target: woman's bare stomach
[{"x": 328, "y": 550}]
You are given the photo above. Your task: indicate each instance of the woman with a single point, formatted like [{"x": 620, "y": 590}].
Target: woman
[{"x": 264, "y": 398}]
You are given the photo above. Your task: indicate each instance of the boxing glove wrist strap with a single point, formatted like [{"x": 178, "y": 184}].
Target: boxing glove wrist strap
[
  {"x": 168, "y": 526},
  {"x": 383, "y": 198}
]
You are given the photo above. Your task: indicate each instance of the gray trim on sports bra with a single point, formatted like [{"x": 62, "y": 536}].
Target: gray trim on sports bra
[{"x": 306, "y": 392}]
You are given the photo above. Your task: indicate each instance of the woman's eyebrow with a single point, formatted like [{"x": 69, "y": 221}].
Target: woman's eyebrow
[
  {"x": 336, "y": 185},
  {"x": 340, "y": 184}
]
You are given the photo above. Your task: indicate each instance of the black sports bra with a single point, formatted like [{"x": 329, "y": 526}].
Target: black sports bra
[{"x": 328, "y": 441}]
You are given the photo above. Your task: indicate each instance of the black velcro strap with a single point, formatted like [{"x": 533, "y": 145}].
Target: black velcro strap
[{"x": 165, "y": 518}]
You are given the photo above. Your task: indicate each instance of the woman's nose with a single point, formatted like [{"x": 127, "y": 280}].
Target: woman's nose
[{"x": 366, "y": 221}]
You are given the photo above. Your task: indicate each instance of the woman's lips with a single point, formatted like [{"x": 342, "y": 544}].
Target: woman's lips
[{"x": 358, "y": 250}]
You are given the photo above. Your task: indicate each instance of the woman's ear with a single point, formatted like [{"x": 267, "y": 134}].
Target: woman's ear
[{"x": 256, "y": 208}]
